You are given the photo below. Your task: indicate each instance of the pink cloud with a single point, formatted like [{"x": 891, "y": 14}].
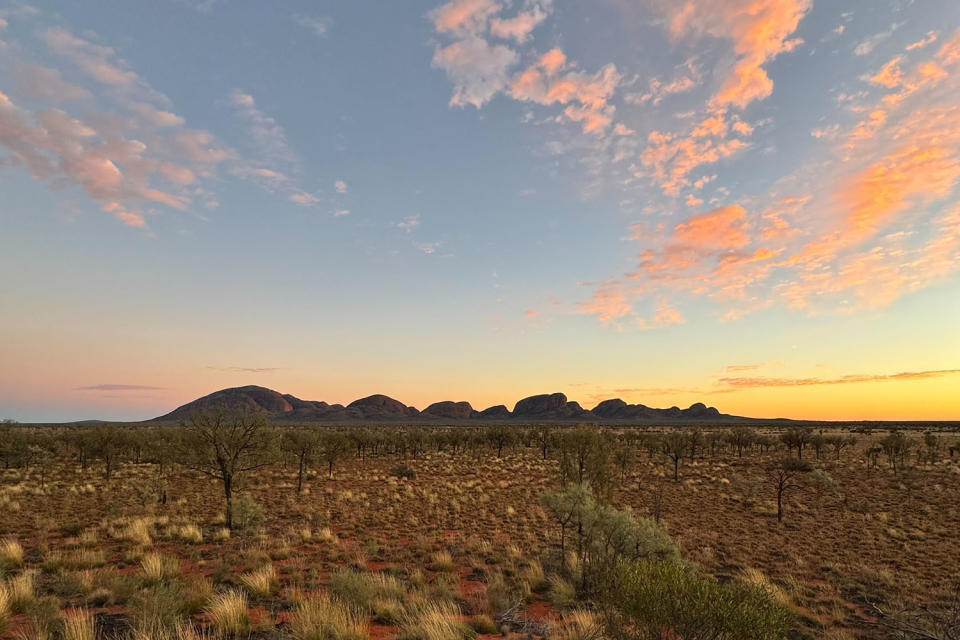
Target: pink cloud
[{"x": 760, "y": 30}]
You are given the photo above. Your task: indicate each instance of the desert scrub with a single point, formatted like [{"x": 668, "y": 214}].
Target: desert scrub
[
  {"x": 248, "y": 515},
  {"x": 317, "y": 617},
  {"x": 157, "y": 567},
  {"x": 360, "y": 590},
  {"x": 11, "y": 554},
  {"x": 5, "y": 609},
  {"x": 227, "y": 613},
  {"x": 78, "y": 624},
  {"x": 443, "y": 561},
  {"x": 262, "y": 582},
  {"x": 20, "y": 590},
  {"x": 483, "y": 624},
  {"x": 579, "y": 624},
  {"x": 434, "y": 621},
  {"x": 562, "y": 594},
  {"x": 190, "y": 533},
  {"x": 646, "y": 597}
]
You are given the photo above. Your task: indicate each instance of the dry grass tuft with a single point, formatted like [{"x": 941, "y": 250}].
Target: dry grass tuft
[
  {"x": 262, "y": 582},
  {"x": 579, "y": 624},
  {"x": 443, "y": 561},
  {"x": 78, "y": 624},
  {"x": 11, "y": 554},
  {"x": 435, "y": 621},
  {"x": 5, "y": 609},
  {"x": 190, "y": 533},
  {"x": 20, "y": 590},
  {"x": 159, "y": 568},
  {"x": 317, "y": 617},
  {"x": 228, "y": 613}
]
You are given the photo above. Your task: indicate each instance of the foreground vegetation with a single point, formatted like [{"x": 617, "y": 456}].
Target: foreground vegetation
[{"x": 226, "y": 527}]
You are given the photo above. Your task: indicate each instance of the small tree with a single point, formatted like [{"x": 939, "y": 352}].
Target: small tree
[
  {"x": 896, "y": 446},
  {"x": 785, "y": 478},
  {"x": 107, "y": 444},
  {"x": 797, "y": 438},
  {"x": 225, "y": 445},
  {"x": 500, "y": 437},
  {"x": 302, "y": 444},
  {"x": 741, "y": 438},
  {"x": 333, "y": 447},
  {"x": 675, "y": 446}
]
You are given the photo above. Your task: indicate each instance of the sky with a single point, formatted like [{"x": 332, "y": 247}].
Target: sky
[{"x": 753, "y": 204}]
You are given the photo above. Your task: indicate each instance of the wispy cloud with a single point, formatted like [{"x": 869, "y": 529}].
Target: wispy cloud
[
  {"x": 319, "y": 26},
  {"x": 117, "y": 138},
  {"x": 248, "y": 369},
  {"x": 120, "y": 387},
  {"x": 754, "y": 382}
]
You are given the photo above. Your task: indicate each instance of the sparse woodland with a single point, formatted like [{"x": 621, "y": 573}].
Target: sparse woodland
[{"x": 228, "y": 527}]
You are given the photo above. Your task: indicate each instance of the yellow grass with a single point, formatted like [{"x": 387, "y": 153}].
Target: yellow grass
[
  {"x": 78, "y": 625},
  {"x": 228, "y": 612},
  {"x": 317, "y": 617}
]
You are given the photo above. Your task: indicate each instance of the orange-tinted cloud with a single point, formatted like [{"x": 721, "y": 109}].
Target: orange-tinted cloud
[
  {"x": 586, "y": 96},
  {"x": 608, "y": 303},
  {"x": 722, "y": 228},
  {"x": 520, "y": 26},
  {"x": 747, "y": 382},
  {"x": 760, "y": 30},
  {"x": 463, "y": 15},
  {"x": 888, "y": 185}
]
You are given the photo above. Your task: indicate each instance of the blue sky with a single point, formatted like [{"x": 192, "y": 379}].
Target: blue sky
[{"x": 752, "y": 203}]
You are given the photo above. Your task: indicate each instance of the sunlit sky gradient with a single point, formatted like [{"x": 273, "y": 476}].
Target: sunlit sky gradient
[{"x": 749, "y": 203}]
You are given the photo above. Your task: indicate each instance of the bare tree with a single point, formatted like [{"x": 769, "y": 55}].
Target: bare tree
[
  {"x": 784, "y": 476},
  {"x": 224, "y": 445}
]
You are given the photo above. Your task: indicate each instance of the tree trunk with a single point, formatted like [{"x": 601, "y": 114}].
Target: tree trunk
[
  {"x": 228, "y": 495},
  {"x": 300, "y": 473}
]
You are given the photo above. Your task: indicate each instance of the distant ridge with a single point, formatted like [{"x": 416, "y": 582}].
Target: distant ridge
[{"x": 380, "y": 408}]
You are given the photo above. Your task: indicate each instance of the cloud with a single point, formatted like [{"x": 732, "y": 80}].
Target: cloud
[
  {"x": 44, "y": 84},
  {"x": 319, "y": 26},
  {"x": 477, "y": 69},
  {"x": 409, "y": 223},
  {"x": 688, "y": 79},
  {"x": 608, "y": 303},
  {"x": 722, "y": 228},
  {"x": 744, "y": 367},
  {"x": 340, "y": 186},
  {"x": 120, "y": 387},
  {"x": 480, "y": 67},
  {"x": 303, "y": 198},
  {"x": 761, "y": 382},
  {"x": 670, "y": 159},
  {"x": 760, "y": 30},
  {"x": 664, "y": 316},
  {"x": 276, "y": 160},
  {"x": 930, "y": 38},
  {"x": 519, "y": 27},
  {"x": 531, "y": 313},
  {"x": 867, "y": 45},
  {"x": 268, "y": 136},
  {"x": 428, "y": 248},
  {"x": 248, "y": 369},
  {"x": 586, "y": 96}
]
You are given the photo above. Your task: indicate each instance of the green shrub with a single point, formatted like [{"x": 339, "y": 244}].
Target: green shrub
[
  {"x": 643, "y": 598},
  {"x": 248, "y": 516},
  {"x": 403, "y": 471}
]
